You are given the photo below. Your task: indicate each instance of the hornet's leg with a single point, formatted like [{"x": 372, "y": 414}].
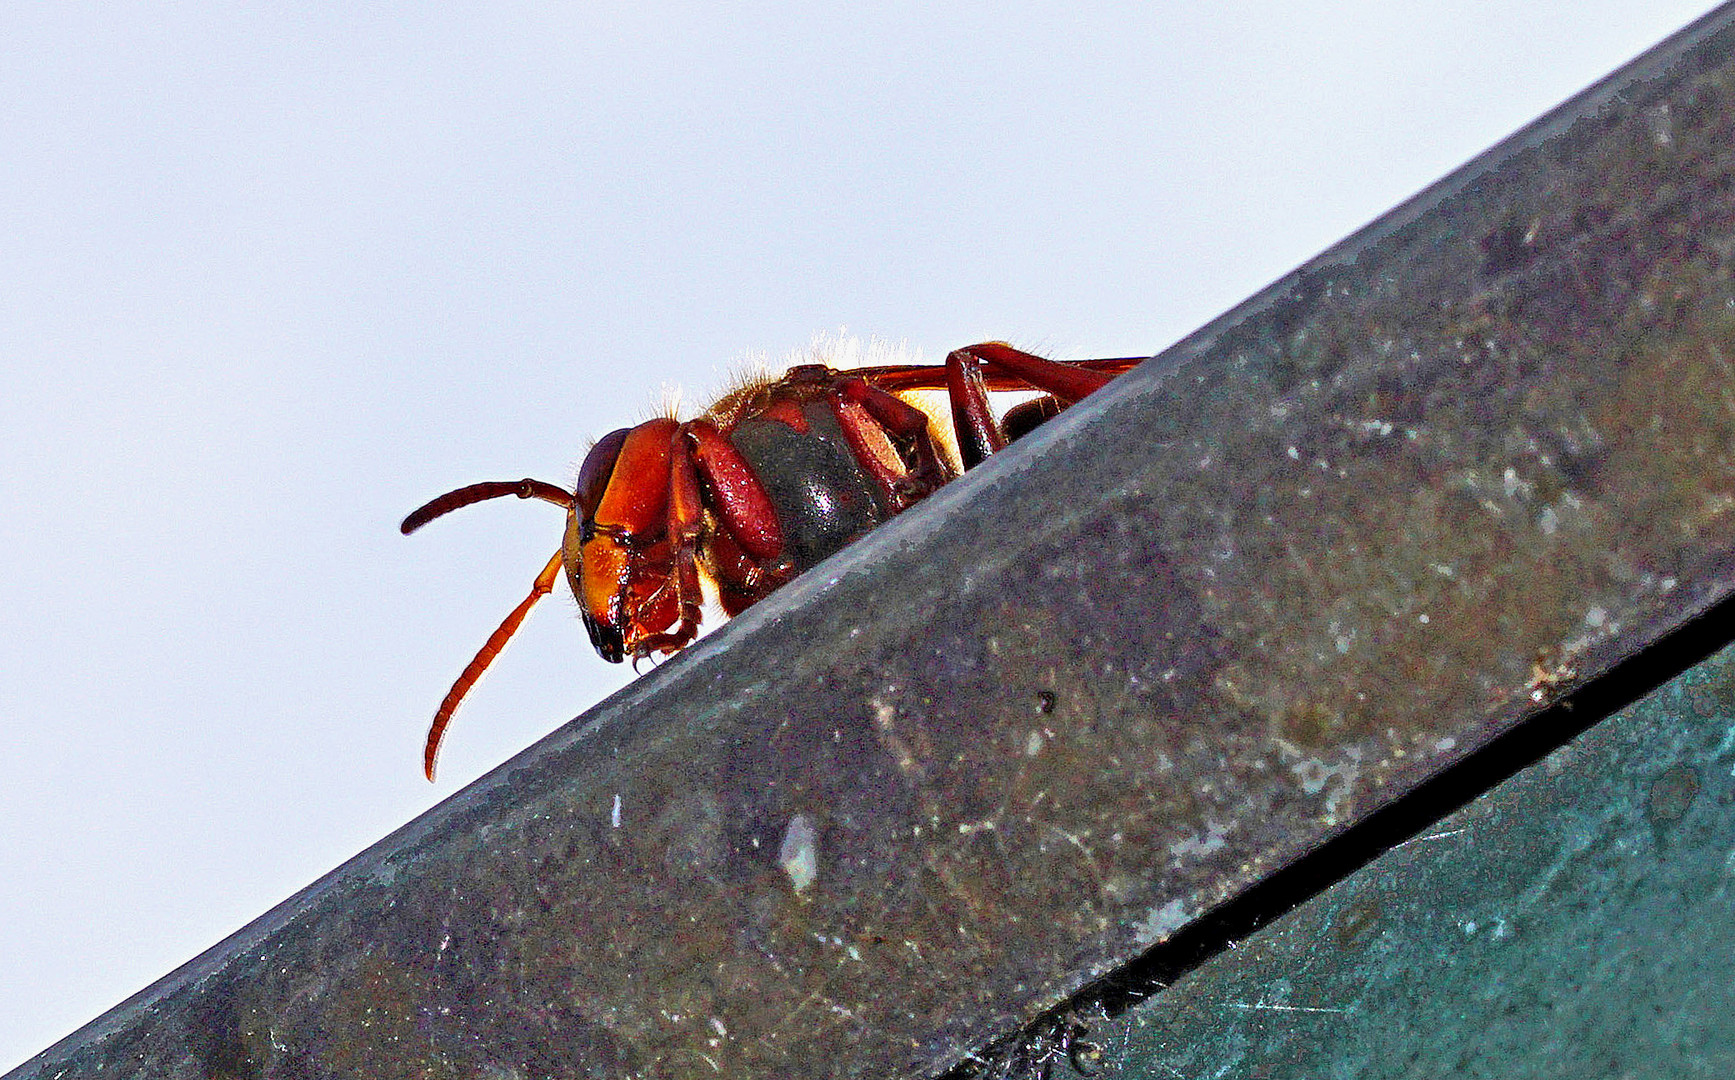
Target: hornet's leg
[
  {"x": 871, "y": 418},
  {"x": 979, "y": 434}
]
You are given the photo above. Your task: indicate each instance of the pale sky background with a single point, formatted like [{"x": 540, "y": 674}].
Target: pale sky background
[{"x": 273, "y": 275}]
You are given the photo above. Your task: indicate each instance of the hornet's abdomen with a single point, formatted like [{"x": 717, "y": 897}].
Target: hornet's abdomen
[{"x": 823, "y": 497}]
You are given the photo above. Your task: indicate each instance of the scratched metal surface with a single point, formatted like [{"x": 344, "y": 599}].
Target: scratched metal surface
[
  {"x": 1579, "y": 920},
  {"x": 1330, "y": 544}
]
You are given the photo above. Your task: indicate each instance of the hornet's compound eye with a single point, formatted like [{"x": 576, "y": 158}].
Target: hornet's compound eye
[{"x": 598, "y": 467}]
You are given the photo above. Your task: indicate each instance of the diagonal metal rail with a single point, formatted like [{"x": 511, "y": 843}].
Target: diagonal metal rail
[{"x": 1328, "y": 546}]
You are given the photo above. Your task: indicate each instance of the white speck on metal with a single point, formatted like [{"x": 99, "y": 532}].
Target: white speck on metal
[
  {"x": 1159, "y": 923},
  {"x": 799, "y": 853}
]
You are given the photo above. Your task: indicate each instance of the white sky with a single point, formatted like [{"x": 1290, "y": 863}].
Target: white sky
[{"x": 273, "y": 275}]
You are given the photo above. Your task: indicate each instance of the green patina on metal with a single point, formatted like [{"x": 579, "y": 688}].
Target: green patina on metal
[
  {"x": 1579, "y": 920},
  {"x": 1170, "y": 642}
]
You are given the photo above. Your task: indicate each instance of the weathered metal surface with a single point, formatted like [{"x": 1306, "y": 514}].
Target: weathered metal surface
[
  {"x": 1575, "y": 921},
  {"x": 1327, "y": 546}
]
